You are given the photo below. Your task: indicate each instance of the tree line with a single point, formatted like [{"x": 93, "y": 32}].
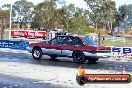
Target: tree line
[{"x": 52, "y": 14}]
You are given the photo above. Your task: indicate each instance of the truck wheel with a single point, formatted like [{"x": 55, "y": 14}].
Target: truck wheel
[
  {"x": 78, "y": 57},
  {"x": 37, "y": 53},
  {"x": 93, "y": 60}
]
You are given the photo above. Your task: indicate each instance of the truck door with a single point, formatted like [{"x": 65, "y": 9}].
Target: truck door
[{"x": 54, "y": 47}]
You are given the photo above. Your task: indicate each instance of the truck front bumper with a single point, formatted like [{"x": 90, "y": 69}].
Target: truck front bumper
[{"x": 97, "y": 55}]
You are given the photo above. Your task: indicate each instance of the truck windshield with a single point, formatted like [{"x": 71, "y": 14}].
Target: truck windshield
[{"x": 89, "y": 41}]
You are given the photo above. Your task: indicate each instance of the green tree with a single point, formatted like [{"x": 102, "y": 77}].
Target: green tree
[
  {"x": 6, "y": 16},
  {"x": 69, "y": 18},
  {"x": 8, "y": 7},
  {"x": 24, "y": 11},
  {"x": 125, "y": 16},
  {"x": 108, "y": 9},
  {"x": 79, "y": 22},
  {"x": 66, "y": 13},
  {"x": 102, "y": 13},
  {"x": 94, "y": 7},
  {"x": 44, "y": 15}
]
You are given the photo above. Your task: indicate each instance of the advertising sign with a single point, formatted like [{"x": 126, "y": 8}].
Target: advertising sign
[
  {"x": 82, "y": 77},
  {"x": 121, "y": 51},
  {"x": 21, "y": 45},
  {"x": 28, "y": 34}
]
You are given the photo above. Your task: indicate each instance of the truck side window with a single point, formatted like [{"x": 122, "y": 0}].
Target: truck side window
[
  {"x": 57, "y": 40},
  {"x": 68, "y": 41},
  {"x": 77, "y": 41}
]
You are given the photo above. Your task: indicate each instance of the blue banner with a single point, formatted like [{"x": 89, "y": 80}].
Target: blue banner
[{"x": 20, "y": 45}]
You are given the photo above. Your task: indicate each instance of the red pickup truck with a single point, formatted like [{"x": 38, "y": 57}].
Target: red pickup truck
[{"x": 79, "y": 48}]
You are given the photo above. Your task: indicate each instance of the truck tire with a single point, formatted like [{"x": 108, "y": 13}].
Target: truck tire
[
  {"x": 37, "y": 53},
  {"x": 78, "y": 57}
]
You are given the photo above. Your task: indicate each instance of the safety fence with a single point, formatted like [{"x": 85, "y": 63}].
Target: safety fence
[{"x": 114, "y": 39}]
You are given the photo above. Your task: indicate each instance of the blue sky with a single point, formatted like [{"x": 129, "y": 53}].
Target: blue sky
[{"x": 79, "y": 3}]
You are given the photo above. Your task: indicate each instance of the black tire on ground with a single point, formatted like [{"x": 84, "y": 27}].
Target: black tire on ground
[
  {"x": 53, "y": 57},
  {"x": 37, "y": 53},
  {"x": 78, "y": 57},
  {"x": 93, "y": 60}
]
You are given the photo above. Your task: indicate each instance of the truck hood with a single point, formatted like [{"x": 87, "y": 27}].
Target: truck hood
[{"x": 103, "y": 48}]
